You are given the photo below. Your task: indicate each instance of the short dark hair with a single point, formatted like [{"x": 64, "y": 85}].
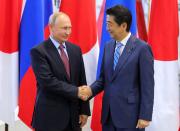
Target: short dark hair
[{"x": 121, "y": 14}]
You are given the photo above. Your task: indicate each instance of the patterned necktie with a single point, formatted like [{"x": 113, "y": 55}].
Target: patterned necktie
[
  {"x": 64, "y": 59},
  {"x": 117, "y": 54}
]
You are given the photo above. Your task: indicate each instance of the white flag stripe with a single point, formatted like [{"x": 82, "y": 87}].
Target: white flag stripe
[
  {"x": 23, "y": 6},
  {"x": 8, "y": 86},
  {"x": 90, "y": 63},
  {"x": 166, "y": 104}
]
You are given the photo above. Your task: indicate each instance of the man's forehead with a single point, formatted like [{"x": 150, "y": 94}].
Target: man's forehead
[
  {"x": 109, "y": 19},
  {"x": 63, "y": 21}
]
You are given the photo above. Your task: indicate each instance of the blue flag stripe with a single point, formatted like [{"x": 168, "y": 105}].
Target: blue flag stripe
[{"x": 34, "y": 20}]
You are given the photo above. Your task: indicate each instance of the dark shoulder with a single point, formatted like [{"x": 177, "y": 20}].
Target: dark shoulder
[
  {"x": 72, "y": 46},
  {"x": 139, "y": 41},
  {"x": 41, "y": 45},
  {"x": 142, "y": 45},
  {"x": 41, "y": 48},
  {"x": 109, "y": 43}
]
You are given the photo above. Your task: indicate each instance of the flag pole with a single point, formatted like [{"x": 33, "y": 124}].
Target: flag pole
[{"x": 6, "y": 127}]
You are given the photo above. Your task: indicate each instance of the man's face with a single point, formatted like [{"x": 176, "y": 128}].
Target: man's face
[
  {"x": 113, "y": 28},
  {"x": 61, "y": 30}
]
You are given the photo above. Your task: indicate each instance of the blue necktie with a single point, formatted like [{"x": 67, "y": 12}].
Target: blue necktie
[{"x": 117, "y": 54}]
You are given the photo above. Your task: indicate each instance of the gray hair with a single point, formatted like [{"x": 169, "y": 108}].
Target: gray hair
[{"x": 53, "y": 17}]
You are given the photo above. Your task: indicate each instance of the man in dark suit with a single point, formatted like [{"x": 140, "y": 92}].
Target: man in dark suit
[
  {"x": 59, "y": 70},
  {"x": 127, "y": 77}
]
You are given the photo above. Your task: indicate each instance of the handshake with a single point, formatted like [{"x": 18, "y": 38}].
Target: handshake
[{"x": 84, "y": 92}]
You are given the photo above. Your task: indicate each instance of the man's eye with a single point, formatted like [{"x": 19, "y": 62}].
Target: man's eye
[
  {"x": 109, "y": 25},
  {"x": 66, "y": 28}
]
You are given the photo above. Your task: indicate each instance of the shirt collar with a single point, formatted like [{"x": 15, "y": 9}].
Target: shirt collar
[
  {"x": 56, "y": 43},
  {"x": 124, "y": 41}
]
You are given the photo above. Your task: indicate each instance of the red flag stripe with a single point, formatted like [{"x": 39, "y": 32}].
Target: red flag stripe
[
  {"x": 163, "y": 30},
  {"x": 97, "y": 105},
  {"x": 26, "y": 102},
  {"x": 46, "y": 32},
  {"x": 9, "y": 27},
  {"x": 82, "y": 14},
  {"x": 141, "y": 21}
]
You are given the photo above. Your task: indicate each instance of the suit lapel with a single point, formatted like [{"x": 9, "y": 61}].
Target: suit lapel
[
  {"x": 71, "y": 59},
  {"x": 130, "y": 46},
  {"x": 110, "y": 57},
  {"x": 56, "y": 56}
]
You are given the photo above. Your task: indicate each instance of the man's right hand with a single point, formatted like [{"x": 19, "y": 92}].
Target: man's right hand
[{"x": 84, "y": 92}]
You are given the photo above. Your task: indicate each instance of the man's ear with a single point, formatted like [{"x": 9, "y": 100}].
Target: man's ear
[
  {"x": 51, "y": 29},
  {"x": 124, "y": 25}
]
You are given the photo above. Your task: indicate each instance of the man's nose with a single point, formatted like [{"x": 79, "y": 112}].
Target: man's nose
[{"x": 107, "y": 28}]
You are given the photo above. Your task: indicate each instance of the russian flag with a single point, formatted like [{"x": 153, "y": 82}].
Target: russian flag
[
  {"x": 131, "y": 5},
  {"x": 32, "y": 31}
]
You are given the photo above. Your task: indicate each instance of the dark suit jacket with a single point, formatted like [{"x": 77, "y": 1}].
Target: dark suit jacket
[
  {"x": 57, "y": 102},
  {"x": 129, "y": 90}
]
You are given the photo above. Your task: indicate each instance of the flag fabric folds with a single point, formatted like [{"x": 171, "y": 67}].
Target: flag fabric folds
[
  {"x": 163, "y": 38},
  {"x": 34, "y": 20},
  {"x": 9, "y": 27},
  {"x": 141, "y": 26},
  {"x": 24, "y": 24},
  {"x": 131, "y": 5},
  {"x": 84, "y": 33}
]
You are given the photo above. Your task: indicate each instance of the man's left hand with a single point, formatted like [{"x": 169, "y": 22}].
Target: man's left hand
[
  {"x": 142, "y": 123},
  {"x": 82, "y": 120}
]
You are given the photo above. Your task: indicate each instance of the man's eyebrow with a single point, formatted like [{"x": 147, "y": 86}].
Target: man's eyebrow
[{"x": 108, "y": 22}]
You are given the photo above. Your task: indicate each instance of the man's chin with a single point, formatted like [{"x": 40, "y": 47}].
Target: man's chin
[{"x": 64, "y": 40}]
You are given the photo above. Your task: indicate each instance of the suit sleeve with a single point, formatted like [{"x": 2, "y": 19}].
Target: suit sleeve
[
  {"x": 84, "y": 105},
  {"x": 147, "y": 83},
  {"x": 47, "y": 80}
]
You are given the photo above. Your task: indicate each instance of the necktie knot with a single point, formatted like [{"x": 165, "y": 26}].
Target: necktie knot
[
  {"x": 119, "y": 45},
  {"x": 61, "y": 47}
]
